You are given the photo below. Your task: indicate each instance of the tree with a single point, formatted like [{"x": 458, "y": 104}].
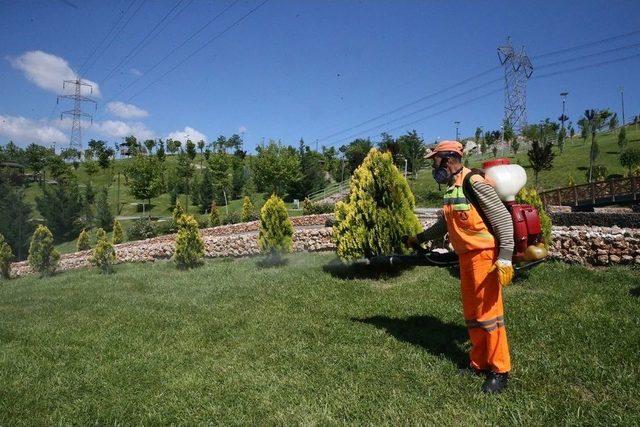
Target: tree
[
  {"x": 145, "y": 178},
  {"x": 234, "y": 143},
  {"x": 478, "y": 135},
  {"x": 622, "y": 138},
  {"x": 105, "y": 156},
  {"x": 62, "y": 208},
  {"x": 37, "y": 158},
  {"x": 201, "y": 145},
  {"x": 275, "y": 237},
  {"x": 247, "y": 209},
  {"x": 104, "y": 256},
  {"x": 214, "y": 215},
  {"x": 377, "y": 213},
  {"x": 311, "y": 174},
  {"x": 178, "y": 211},
  {"x": 104, "y": 215},
  {"x": 219, "y": 167},
  {"x": 43, "y": 257},
  {"x": 509, "y": 135},
  {"x": 613, "y": 121},
  {"x": 15, "y": 214},
  {"x": 101, "y": 234},
  {"x": 83, "y": 241},
  {"x": 562, "y": 134},
  {"x": 220, "y": 144},
  {"x": 90, "y": 167},
  {"x": 189, "y": 251},
  {"x": 356, "y": 152},
  {"x": 132, "y": 144},
  {"x": 389, "y": 145},
  {"x": 6, "y": 256},
  {"x": 597, "y": 119},
  {"x": 413, "y": 149},
  {"x": 171, "y": 146},
  {"x": 583, "y": 124},
  {"x": 60, "y": 171},
  {"x": 149, "y": 143},
  {"x": 160, "y": 154},
  {"x": 275, "y": 168},
  {"x": 184, "y": 172},
  {"x": 540, "y": 156},
  {"x": 118, "y": 233},
  {"x": 331, "y": 163},
  {"x": 191, "y": 150},
  {"x": 630, "y": 158},
  {"x": 206, "y": 190}
]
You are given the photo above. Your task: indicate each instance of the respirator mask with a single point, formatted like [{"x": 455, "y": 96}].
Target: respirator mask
[{"x": 441, "y": 174}]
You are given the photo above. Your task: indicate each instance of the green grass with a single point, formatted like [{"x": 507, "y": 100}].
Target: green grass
[
  {"x": 231, "y": 343},
  {"x": 573, "y": 161}
]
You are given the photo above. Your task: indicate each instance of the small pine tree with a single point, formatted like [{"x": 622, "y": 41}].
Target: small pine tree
[
  {"x": 214, "y": 215},
  {"x": 622, "y": 138},
  {"x": 276, "y": 230},
  {"x": 6, "y": 255},
  {"x": 83, "y": 241},
  {"x": 529, "y": 196},
  {"x": 104, "y": 216},
  {"x": 178, "y": 211},
  {"x": 43, "y": 257},
  {"x": 189, "y": 250},
  {"x": 377, "y": 213},
  {"x": 118, "y": 233},
  {"x": 104, "y": 255},
  {"x": 247, "y": 209}
]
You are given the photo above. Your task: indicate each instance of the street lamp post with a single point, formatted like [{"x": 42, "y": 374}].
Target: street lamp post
[
  {"x": 457, "y": 123},
  {"x": 622, "y": 100}
]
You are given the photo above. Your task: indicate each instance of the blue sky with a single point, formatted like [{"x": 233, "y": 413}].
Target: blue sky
[{"x": 308, "y": 69}]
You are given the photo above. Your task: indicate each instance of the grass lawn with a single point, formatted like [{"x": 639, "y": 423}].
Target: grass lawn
[
  {"x": 308, "y": 343},
  {"x": 573, "y": 161}
]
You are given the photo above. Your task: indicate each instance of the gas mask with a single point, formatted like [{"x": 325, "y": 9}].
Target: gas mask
[{"x": 441, "y": 174}]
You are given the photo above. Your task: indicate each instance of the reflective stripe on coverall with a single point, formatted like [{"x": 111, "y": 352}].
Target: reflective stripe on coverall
[{"x": 480, "y": 290}]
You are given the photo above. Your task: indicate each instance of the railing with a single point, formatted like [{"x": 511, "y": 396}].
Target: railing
[
  {"x": 329, "y": 190},
  {"x": 593, "y": 193}
]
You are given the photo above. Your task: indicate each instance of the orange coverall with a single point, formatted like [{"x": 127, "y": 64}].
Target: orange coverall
[{"x": 481, "y": 292}]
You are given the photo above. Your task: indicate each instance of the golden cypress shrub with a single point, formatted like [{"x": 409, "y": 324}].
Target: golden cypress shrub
[
  {"x": 6, "y": 255},
  {"x": 118, "y": 233},
  {"x": 529, "y": 196},
  {"x": 247, "y": 210},
  {"x": 100, "y": 234},
  {"x": 104, "y": 254},
  {"x": 276, "y": 231},
  {"x": 83, "y": 241},
  {"x": 43, "y": 257},
  {"x": 377, "y": 212},
  {"x": 189, "y": 251},
  {"x": 178, "y": 211},
  {"x": 214, "y": 215}
]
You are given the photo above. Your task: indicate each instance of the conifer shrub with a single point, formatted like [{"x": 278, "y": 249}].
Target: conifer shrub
[
  {"x": 100, "y": 234},
  {"x": 314, "y": 208},
  {"x": 104, "y": 254},
  {"x": 189, "y": 251},
  {"x": 275, "y": 237},
  {"x": 232, "y": 217},
  {"x": 529, "y": 196},
  {"x": 83, "y": 241},
  {"x": 214, "y": 215},
  {"x": 142, "y": 228},
  {"x": 43, "y": 257},
  {"x": 6, "y": 255},
  {"x": 178, "y": 211},
  {"x": 248, "y": 210},
  {"x": 377, "y": 212},
  {"x": 118, "y": 233}
]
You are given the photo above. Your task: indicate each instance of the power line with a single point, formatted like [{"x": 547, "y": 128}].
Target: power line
[
  {"x": 168, "y": 55},
  {"x": 120, "y": 18},
  {"x": 147, "y": 38},
  {"x": 579, "y": 58},
  {"x": 217, "y": 36},
  {"x": 582, "y": 46},
  {"x": 585, "y": 67}
]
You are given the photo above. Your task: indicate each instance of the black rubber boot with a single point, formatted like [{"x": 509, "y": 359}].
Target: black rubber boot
[{"x": 495, "y": 382}]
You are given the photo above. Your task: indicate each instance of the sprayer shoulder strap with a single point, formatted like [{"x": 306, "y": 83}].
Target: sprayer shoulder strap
[{"x": 472, "y": 197}]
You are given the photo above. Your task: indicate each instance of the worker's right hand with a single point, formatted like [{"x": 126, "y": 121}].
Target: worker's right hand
[
  {"x": 411, "y": 242},
  {"x": 505, "y": 271}
]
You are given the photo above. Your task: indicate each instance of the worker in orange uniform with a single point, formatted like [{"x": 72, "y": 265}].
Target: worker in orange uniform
[{"x": 483, "y": 241}]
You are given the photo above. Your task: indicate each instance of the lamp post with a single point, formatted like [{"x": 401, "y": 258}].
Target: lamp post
[
  {"x": 457, "y": 123},
  {"x": 622, "y": 101},
  {"x": 563, "y": 118}
]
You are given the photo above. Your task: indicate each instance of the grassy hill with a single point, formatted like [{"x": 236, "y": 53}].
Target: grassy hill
[
  {"x": 309, "y": 343},
  {"x": 574, "y": 161}
]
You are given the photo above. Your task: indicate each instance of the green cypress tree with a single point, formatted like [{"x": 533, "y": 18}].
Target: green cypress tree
[
  {"x": 104, "y": 216},
  {"x": 214, "y": 215},
  {"x": 377, "y": 213},
  {"x": 276, "y": 230},
  {"x": 43, "y": 257},
  {"x": 189, "y": 250},
  {"x": 83, "y": 241},
  {"x": 118, "y": 233},
  {"x": 6, "y": 255},
  {"x": 101, "y": 234}
]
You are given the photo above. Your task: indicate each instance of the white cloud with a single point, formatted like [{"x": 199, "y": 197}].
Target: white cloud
[
  {"x": 242, "y": 129},
  {"x": 135, "y": 72},
  {"x": 48, "y": 72},
  {"x": 118, "y": 129},
  {"x": 187, "y": 133},
  {"x": 24, "y": 131},
  {"x": 126, "y": 111}
]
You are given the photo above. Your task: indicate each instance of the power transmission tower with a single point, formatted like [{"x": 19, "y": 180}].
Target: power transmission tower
[
  {"x": 517, "y": 70},
  {"x": 75, "y": 141}
]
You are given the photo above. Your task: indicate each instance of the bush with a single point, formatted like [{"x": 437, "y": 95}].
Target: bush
[
  {"x": 530, "y": 196},
  {"x": 141, "y": 229},
  {"x": 83, "y": 241},
  {"x": 43, "y": 258},
  {"x": 118, "y": 233},
  {"x": 203, "y": 221},
  {"x": 189, "y": 251},
  {"x": 599, "y": 173},
  {"x": 248, "y": 210},
  {"x": 313, "y": 208},
  {"x": 276, "y": 230},
  {"x": 214, "y": 215},
  {"x": 178, "y": 211},
  {"x": 104, "y": 256},
  {"x": 100, "y": 234},
  {"x": 377, "y": 213},
  {"x": 630, "y": 158},
  {"x": 6, "y": 255},
  {"x": 232, "y": 217}
]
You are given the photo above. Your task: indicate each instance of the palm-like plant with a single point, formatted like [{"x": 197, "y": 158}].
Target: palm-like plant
[{"x": 596, "y": 119}]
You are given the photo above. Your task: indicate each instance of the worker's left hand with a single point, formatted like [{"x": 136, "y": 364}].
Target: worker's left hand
[{"x": 505, "y": 271}]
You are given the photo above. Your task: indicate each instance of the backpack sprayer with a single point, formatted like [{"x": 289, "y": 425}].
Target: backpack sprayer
[{"x": 507, "y": 180}]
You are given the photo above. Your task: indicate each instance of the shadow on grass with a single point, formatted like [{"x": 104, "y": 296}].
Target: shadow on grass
[
  {"x": 272, "y": 262},
  {"x": 635, "y": 292},
  {"x": 430, "y": 333},
  {"x": 340, "y": 270}
]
